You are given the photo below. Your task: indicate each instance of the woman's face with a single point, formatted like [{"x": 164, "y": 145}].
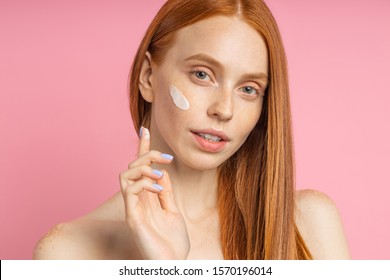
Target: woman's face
[{"x": 220, "y": 66}]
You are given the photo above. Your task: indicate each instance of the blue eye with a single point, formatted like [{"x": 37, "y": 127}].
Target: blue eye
[
  {"x": 249, "y": 90},
  {"x": 201, "y": 75}
]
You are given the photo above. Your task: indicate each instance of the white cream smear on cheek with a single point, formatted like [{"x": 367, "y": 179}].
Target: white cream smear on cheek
[{"x": 178, "y": 98}]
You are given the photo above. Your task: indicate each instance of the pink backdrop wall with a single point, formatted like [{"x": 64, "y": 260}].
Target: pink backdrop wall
[{"x": 66, "y": 132}]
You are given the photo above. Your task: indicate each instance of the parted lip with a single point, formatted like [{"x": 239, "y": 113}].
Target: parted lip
[{"x": 213, "y": 132}]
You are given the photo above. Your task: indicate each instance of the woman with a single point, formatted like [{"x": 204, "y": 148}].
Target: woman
[{"x": 214, "y": 178}]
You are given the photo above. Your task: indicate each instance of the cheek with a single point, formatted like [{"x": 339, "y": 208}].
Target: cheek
[
  {"x": 248, "y": 116},
  {"x": 178, "y": 98},
  {"x": 171, "y": 105},
  {"x": 185, "y": 99}
]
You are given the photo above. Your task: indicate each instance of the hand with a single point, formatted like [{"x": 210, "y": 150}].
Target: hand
[{"x": 151, "y": 213}]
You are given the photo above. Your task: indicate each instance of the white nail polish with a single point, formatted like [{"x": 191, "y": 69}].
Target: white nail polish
[{"x": 158, "y": 187}]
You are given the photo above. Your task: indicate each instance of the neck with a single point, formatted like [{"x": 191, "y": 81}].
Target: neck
[{"x": 195, "y": 191}]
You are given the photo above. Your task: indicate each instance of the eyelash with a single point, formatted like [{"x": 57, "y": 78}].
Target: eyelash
[{"x": 257, "y": 91}]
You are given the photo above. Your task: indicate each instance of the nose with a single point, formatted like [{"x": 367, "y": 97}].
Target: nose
[{"x": 222, "y": 106}]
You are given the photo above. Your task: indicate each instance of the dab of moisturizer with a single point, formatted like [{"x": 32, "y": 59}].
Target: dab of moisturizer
[{"x": 178, "y": 98}]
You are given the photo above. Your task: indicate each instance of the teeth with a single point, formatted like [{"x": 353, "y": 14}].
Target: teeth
[{"x": 210, "y": 137}]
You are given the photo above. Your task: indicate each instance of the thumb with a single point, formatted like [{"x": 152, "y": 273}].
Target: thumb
[{"x": 166, "y": 197}]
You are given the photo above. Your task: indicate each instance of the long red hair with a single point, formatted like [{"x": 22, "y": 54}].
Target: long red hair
[{"x": 256, "y": 186}]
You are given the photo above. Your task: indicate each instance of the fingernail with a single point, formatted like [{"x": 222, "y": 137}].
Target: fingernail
[
  {"x": 158, "y": 187},
  {"x": 147, "y": 135},
  {"x": 167, "y": 156},
  {"x": 140, "y": 132},
  {"x": 157, "y": 172}
]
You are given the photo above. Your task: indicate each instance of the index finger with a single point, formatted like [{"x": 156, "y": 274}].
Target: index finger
[{"x": 144, "y": 143}]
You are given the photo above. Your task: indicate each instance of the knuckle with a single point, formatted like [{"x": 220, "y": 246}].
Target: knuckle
[
  {"x": 142, "y": 181},
  {"x": 128, "y": 190},
  {"x": 154, "y": 154},
  {"x": 144, "y": 169},
  {"x": 145, "y": 182}
]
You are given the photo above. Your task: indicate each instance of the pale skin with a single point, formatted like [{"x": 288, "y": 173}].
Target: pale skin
[{"x": 178, "y": 217}]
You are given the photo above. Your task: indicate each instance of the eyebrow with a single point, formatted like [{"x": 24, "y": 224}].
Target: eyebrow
[
  {"x": 206, "y": 58},
  {"x": 210, "y": 60}
]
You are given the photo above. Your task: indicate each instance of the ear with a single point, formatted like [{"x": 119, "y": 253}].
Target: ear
[{"x": 145, "y": 78}]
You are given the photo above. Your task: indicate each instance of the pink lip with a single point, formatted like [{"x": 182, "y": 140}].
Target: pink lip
[
  {"x": 214, "y": 132},
  {"x": 207, "y": 145}
]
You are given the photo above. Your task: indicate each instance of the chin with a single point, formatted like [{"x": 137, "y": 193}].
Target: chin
[{"x": 204, "y": 162}]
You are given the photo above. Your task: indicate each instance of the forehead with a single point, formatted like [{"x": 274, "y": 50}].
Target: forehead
[{"x": 229, "y": 40}]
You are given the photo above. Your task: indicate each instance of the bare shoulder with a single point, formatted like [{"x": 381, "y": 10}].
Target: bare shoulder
[
  {"x": 68, "y": 241},
  {"x": 320, "y": 225},
  {"x": 101, "y": 234}
]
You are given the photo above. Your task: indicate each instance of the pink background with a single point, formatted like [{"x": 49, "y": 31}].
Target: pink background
[{"x": 66, "y": 132}]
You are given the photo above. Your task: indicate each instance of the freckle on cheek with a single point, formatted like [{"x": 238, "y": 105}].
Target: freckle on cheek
[{"x": 178, "y": 98}]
